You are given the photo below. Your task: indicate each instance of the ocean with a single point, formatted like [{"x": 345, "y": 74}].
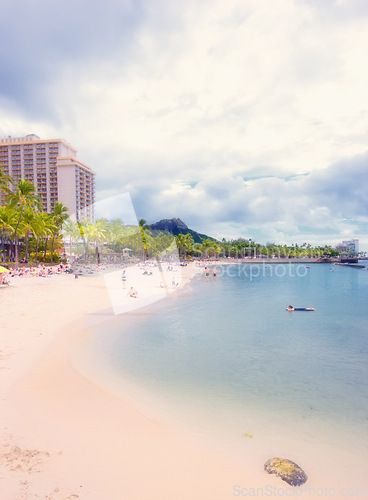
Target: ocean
[{"x": 226, "y": 360}]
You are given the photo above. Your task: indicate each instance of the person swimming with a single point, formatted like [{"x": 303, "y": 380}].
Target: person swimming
[{"x": 292, "y": 308}]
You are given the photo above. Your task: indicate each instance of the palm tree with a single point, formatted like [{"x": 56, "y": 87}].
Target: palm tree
[
  {"x": 8, "y": 222},
  {"x": 5, "y": 180},
  {"x": 24, "y": 197},
  {"x": 82, "y": 227},
  {"x": 48, "y": 229},
  {"x": 43, "y": 229},
  {"x": 29, "y": 226},
  {"x": 96, "y": 231},
  {"x": 179, "y": 240},
  {"x": 206, "y": 247},
  {"x": 59, "y": 216},
  {"x": 164, "y": 243},
  {"x": 71, "y": 230},
  {"x": 143, "y": 228},
  {"x": 115, "y": 232},
  {"x": 198, "y": 250},
  {"x": 189, "y": 242},
  {"x": 184, "y": 243}
]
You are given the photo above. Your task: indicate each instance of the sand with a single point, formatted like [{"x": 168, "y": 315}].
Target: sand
[
  {"x": 65, "y": 437},
  {"x": 62, "y": 437}
]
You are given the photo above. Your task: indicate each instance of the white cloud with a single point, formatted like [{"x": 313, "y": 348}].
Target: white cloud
[{"x": 178, "y": 103}]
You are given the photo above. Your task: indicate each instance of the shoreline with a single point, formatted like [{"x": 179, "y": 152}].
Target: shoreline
[
  {"x": 64, "y": 436},
  {"x": 325, "y": 447}
]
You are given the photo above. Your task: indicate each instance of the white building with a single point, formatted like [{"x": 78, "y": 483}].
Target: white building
[
  {"x": 52, "y": 166},
  {"x": 349, "y": 246}
]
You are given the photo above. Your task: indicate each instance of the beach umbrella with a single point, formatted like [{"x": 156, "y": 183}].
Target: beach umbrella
[{"x": 4, "y": 270}]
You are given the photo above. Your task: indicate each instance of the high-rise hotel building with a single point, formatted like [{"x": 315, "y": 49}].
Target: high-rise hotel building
[{"x": 52, "y": 166}]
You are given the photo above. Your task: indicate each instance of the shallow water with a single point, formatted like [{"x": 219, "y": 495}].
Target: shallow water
[{"x": 226, "y": 356}]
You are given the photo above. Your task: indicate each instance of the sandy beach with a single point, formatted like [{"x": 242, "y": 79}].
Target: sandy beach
[{"x": 64, "y": 437}]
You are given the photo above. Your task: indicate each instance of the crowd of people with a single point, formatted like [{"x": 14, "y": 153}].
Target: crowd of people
[{"x": 39, "y": 271}]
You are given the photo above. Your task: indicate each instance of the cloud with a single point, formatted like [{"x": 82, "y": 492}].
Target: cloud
[
  {"x": 321, "y": 204},
  {"x": 203, "y": 109},
  {"x": 343, "y": 186},
  {"x": 41, "y": 39}
]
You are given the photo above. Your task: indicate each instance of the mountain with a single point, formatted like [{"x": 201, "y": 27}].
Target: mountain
[{"x": 177, "y": 226}]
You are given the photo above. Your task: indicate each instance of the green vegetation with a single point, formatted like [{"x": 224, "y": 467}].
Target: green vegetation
[
  {"x": 112, "y": 241},
  {"x": 39, "y": 235},
  {"x": 243, "y": 248},
  {"x": 24, "y": 228},
  {"x": 143, "y": 228}
]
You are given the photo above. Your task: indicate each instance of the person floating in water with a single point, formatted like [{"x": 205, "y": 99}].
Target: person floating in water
[{"x": 292, "y": 308}]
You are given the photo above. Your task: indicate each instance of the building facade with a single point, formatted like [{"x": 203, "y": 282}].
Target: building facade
[
  {"x": 349, "y": 246},
  {"x": 52, "y": 166}
]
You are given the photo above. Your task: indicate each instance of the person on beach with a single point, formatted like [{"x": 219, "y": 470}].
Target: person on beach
[
  {"x": 3, "y": 280},
  {"x": 133, "y": 293},
  {"x": 214, "y": 273}
]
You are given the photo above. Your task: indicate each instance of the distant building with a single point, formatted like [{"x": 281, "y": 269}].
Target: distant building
[
  {"x": 52, "y": 166},
  {"x": 349, "y": 247}
]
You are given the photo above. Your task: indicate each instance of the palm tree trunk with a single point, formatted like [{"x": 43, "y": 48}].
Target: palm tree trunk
[
  {"x": 97, "y": 254},
  {"x": 27, "y": 244},
  {"x": 16, "y": 238},
  {"x": 52, "y": 248},
  {"x": 145, "y": 251},
  {"x": 85, "y": 249},
  {"x": 44, "y": 253},
  {"x": 3, "y": 245},
  {"x": 37, "y": 248}
]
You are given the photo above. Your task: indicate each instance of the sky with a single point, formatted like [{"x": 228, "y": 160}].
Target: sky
[{"x": 243, "y": 118}]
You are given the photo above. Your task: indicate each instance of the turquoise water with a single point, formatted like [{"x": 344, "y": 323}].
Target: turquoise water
[{"x": 227, "y": 346}]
